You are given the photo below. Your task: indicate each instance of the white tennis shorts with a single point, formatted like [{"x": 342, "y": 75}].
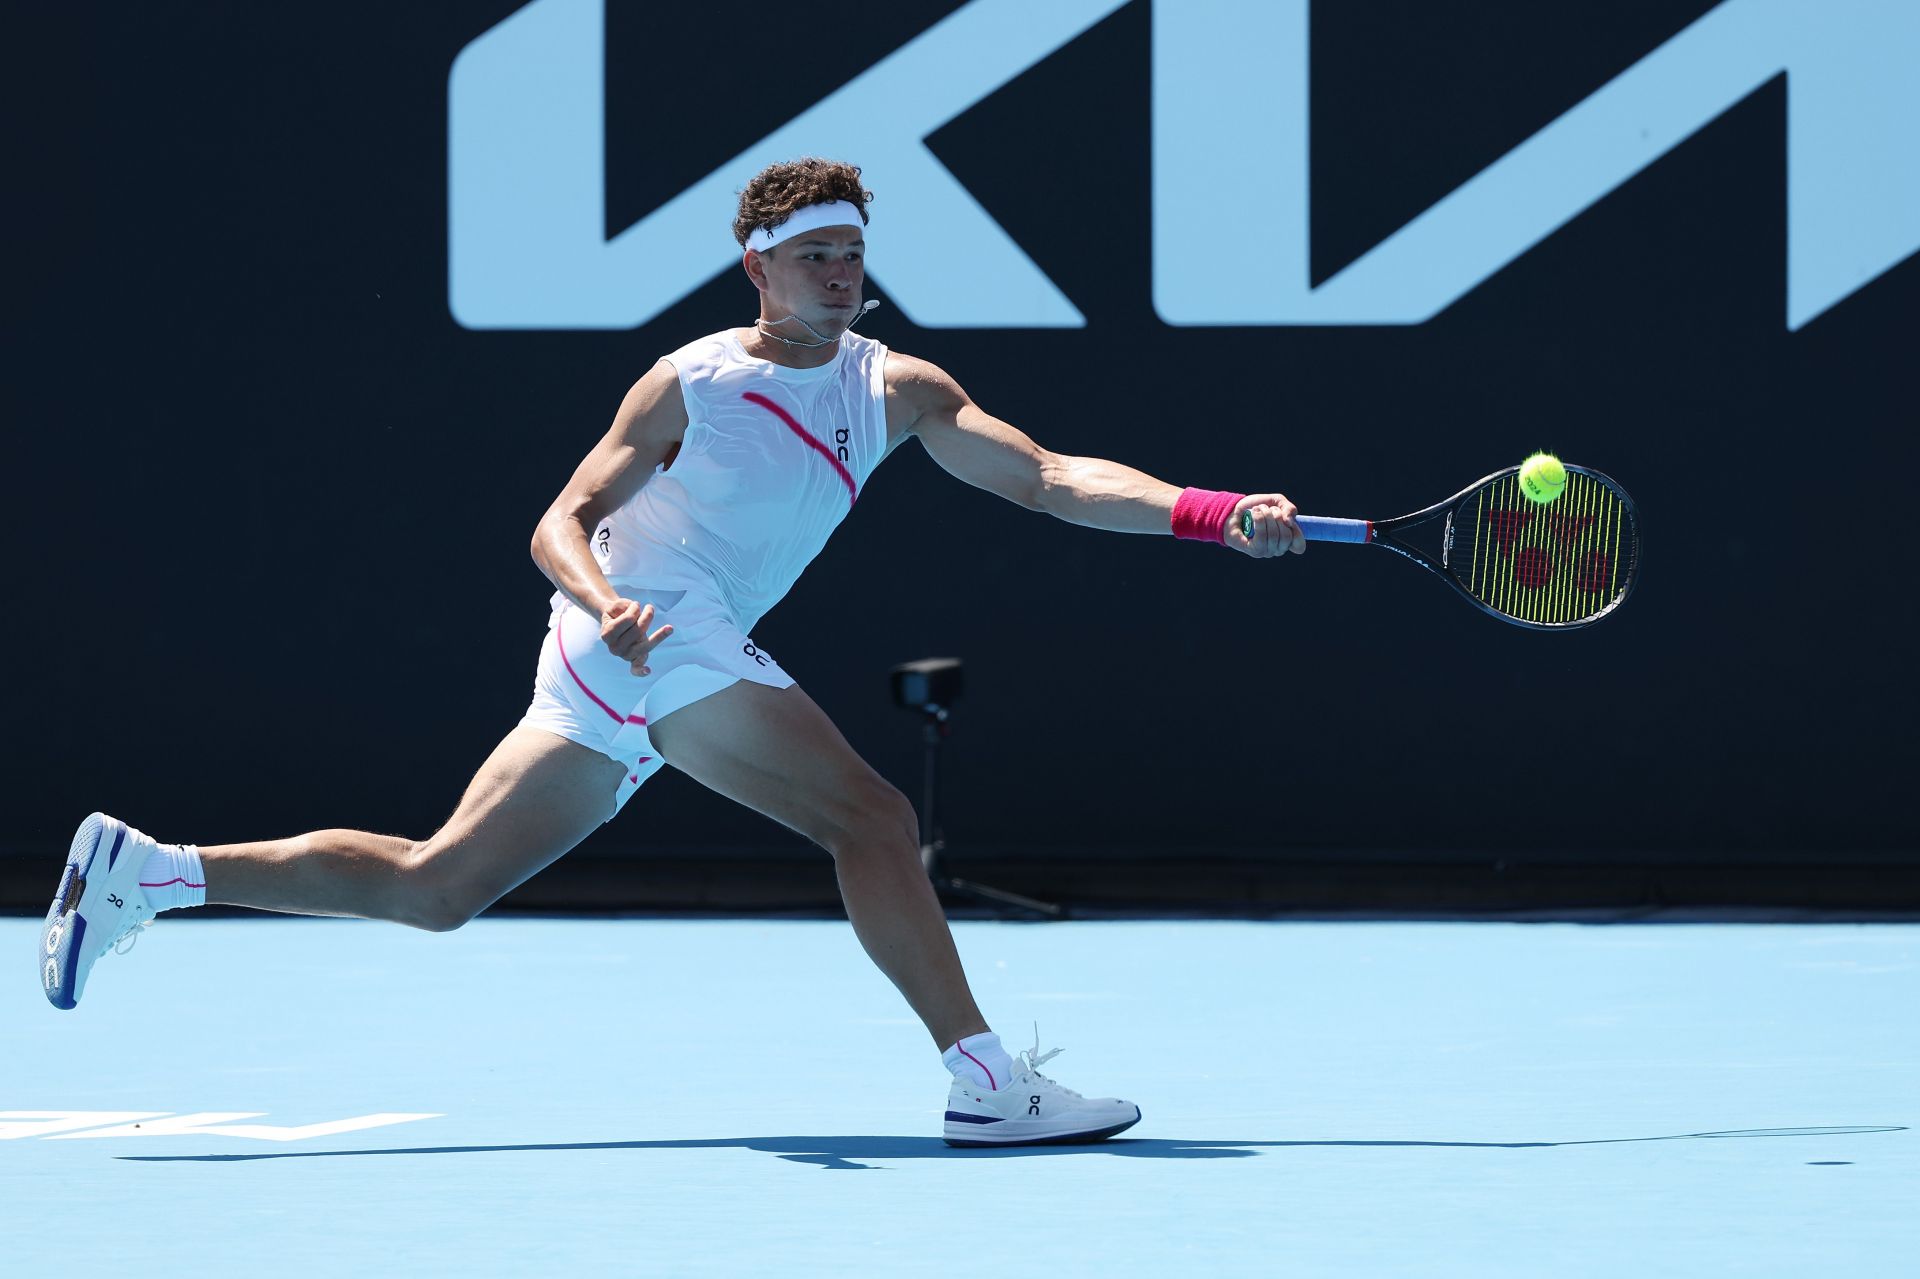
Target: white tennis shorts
[{"x": 582, "y": 692}]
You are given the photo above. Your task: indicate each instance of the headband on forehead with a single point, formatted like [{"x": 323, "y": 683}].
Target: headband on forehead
[{"x": 811, "y": 218}]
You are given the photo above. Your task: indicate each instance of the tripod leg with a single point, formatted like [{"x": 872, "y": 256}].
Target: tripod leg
[
  {"x": 932, "y": 846},
  {"x": 1002, "y": 899}
]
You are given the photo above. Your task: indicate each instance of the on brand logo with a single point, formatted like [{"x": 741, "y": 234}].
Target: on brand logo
[{"x": 526, "y": 168}]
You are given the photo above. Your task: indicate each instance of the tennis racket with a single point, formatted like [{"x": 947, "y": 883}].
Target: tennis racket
[{"x": 1547, "y": 566}]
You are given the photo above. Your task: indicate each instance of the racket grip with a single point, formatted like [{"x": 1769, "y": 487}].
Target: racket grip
[
  {"x": 1326, "y": 528},
  {"x": 1321, "y": 528}
]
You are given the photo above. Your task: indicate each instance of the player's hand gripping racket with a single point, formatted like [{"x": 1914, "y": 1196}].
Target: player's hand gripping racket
[{"x": 1548, "y": 566}]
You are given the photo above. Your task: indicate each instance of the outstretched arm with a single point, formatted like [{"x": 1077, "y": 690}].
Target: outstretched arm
[{"x": 973, "y": 445}]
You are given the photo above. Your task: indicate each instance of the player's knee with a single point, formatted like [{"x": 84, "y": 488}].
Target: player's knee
[
  {"x": 440, "y": 916},
  {"x": 433, "y": 896},
  {"x": 874, "y": 821}
]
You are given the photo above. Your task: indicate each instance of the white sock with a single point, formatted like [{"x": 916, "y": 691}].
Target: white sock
[
  {"x": 981, "y": 1060},
  {"x": 172, "y": 877}
]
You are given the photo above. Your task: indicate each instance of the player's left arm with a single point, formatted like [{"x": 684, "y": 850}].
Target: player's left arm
[{"x": 973, "y": 445}]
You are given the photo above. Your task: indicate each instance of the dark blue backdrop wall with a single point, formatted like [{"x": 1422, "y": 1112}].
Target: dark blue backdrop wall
[{"x": 269, "y": 502}]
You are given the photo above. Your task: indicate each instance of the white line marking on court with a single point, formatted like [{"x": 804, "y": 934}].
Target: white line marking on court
[
  {"x": 16, "y": 1124},
  {"x": 67, "y": 1125}
]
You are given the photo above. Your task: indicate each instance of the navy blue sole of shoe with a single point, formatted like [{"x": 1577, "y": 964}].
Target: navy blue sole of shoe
[
  {"x": 63, "y": 936},
  {"x": 1067, "y": 1139}
]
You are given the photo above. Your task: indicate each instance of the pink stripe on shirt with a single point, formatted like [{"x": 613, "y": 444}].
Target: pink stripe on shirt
[{"x": 846, "y": 476}]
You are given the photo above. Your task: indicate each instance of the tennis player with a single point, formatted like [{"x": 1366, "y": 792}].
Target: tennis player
[{"x": 728, "y": 465}]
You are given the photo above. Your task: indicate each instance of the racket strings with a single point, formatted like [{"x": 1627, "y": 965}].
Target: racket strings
[{"x": 1553, "y": 564}]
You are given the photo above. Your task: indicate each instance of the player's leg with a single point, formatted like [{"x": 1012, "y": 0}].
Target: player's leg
[
  {"x": 535, "y": 797},
  {"x": 776, "y": 752}
]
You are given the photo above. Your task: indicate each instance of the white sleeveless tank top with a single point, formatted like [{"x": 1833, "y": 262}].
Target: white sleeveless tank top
[{"x": 772, "y": 461}]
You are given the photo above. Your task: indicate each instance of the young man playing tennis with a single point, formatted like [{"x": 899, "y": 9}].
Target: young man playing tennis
[{"x": 728, "y": 465}]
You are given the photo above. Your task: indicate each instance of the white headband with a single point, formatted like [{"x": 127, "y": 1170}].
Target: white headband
[{"x": 811, "y": 218}]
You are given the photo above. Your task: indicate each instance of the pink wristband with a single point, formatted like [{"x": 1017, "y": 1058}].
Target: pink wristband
[{"x": 1201, "y": 514}]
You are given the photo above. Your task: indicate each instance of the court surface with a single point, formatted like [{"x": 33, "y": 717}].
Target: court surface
[{"x": 667, "y": 1097}]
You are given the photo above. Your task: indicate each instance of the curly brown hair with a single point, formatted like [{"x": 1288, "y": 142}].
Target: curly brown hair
[{"x": 779, "y": 191}]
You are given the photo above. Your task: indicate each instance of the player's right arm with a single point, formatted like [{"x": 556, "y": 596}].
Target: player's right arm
[{"x": 646, "y": 432}]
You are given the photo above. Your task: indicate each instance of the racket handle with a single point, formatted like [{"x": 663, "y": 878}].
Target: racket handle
[
  {"x": 1327, "y": 528},
  {"x": 1321, "y": 528}
]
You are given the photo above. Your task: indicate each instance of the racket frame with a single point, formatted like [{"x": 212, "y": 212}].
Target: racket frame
[{"x": 1382, "y": 533}]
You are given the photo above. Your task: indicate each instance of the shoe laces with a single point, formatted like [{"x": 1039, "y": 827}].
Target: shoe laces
[
  {"x": 129, "y": 936},
  {"x": 1032, "y": 1060}
]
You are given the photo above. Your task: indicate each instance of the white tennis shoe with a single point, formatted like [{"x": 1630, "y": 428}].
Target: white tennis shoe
[
  {"x": 99, "y": 905},
  {"x": 1032, "y": 1110}
]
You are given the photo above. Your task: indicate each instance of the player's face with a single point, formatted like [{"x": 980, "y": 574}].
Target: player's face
[{"x": 818, "y": 276}]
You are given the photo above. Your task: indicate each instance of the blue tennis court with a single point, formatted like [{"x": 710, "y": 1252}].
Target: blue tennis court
[{"x": 672, "y": 1097}]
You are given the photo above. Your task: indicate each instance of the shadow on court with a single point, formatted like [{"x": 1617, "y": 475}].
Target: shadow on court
[{"x": 848, "y": 1152}]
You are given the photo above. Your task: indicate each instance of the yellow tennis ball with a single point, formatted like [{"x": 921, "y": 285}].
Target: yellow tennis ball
[{"x": 1542, "y": 477}]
